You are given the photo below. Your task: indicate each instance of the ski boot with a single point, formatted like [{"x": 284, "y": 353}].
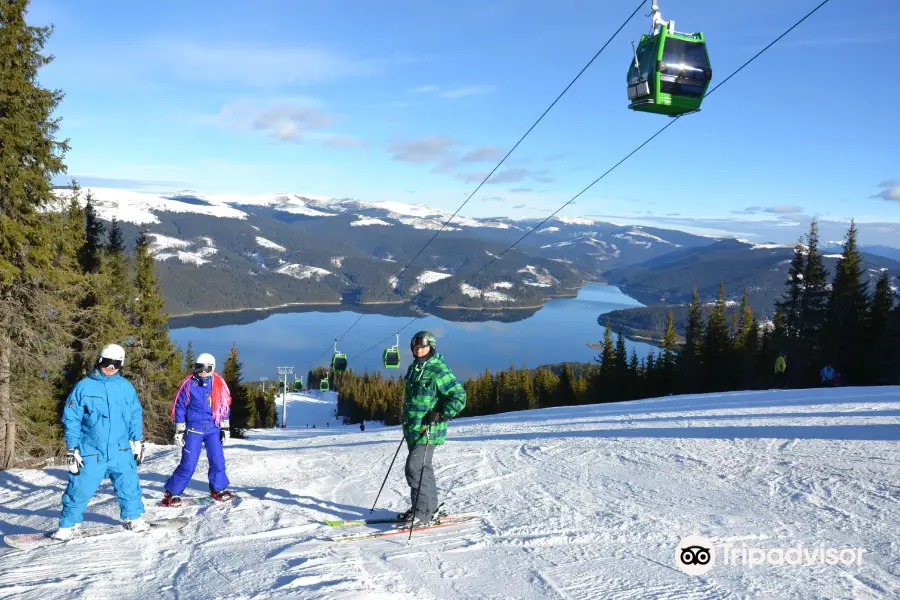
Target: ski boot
[
  {"x": 138, "y": 525},
  {"x": 65, "y": 533},
  {"x": 170, "y": 500},
  {"x": 221, "y": 496}
]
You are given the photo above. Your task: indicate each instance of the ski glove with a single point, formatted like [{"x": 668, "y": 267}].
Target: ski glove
[
  {"x": 225, "y": 432},
  {"x": 434, "y": 416},
  {"x": 179, "y": 434},
  {"x": 137, "y": 447},
  {"x": 73, "y": 458}
]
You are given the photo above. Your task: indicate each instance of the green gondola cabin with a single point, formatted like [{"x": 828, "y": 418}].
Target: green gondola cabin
[
  {"x": 670, "y": 71},
  {"x": 323, "y": 385},
  {"x": 339, "y": 362},
  {"x": 391, "y": 358}
]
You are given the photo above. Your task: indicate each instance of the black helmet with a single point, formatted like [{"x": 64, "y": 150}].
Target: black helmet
[{"x": 424, "y": 338}]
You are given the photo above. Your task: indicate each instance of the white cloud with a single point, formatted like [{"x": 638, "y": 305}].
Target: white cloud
[
  {"x": 258, "y": 66},
  {"x": 286, "y": 120}
]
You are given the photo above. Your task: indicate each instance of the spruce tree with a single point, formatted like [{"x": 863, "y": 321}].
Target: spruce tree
[
  {"x": 846, "y": 315},
  {"x": 151, "y": 363},
  {"x": 243, "y": 411},
  {"x": 878, "y": 350},
  {"x": 30, "y": 156},
  {"x": 746, "y": 346},
  {"x": 690, "y": 359},
  {"x": 91, "y": 254},
  {"x": 813, "y": 309},
  {"x": 789, "y": 305},
  {"x": 716, "y": 346},
  {"x": 189, "y": 358}
]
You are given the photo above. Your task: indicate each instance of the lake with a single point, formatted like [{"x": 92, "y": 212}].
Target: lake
[{"x": 556, "y": 333}]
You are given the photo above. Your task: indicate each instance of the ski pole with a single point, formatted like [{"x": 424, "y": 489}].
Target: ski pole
[
  {"x": 371, "y": 510},
  {"x": 412, "y": 520}
]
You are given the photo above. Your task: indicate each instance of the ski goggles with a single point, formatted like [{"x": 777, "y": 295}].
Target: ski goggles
[
  {"x": 201, "y": 368},
  {"x": 420, "y": 341},
  {"x": 109, "y": 362}
]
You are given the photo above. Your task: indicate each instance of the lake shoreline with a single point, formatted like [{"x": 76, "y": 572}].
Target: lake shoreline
[{"x": 350, "y": 305}]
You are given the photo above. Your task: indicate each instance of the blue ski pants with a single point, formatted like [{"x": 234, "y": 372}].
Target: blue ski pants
[
  {"x": 190, "y": 455},
  {"x": 121, "y": 470}
]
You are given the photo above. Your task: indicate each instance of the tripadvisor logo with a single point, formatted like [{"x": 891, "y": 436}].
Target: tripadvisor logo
[{"x": 696, "y": 555}]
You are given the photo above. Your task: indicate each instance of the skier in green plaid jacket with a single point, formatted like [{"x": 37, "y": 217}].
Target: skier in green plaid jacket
[{"x": 432, "y": 396}]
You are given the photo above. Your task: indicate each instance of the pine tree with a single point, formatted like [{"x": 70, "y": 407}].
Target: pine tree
[
  {"x": 846, "y": 314},
  {"x": 152, "y": 363},
  {"x": 243, "y": 411},
  {"x": 30, "y": 156},
  {"x": 622, "y": 380},
  {"x": 813, "y": 308},
  {"x": 669, "y": 354},
  {"x": 880, "y": 355},
  {"x": 116, "y": 240},
  {"x": 716, "y": 346},
  {"x": 789, "y": 305},
  {"x": 91, "y": 254},
  {"x": 746, "y": 346},
  {"x": 690, "y": 359},
  {"x": 189, "y": 357}
]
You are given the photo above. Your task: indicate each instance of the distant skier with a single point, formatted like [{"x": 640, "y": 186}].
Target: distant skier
[
  {"x": 201, "y": 413},
  {"x": 781, "y": 371},
  {"x": 432, "y": 396},
  {"x": 828, "y": 376},
  {"x": 362, "y": 426},
  {"x": 103, "y": 422}
]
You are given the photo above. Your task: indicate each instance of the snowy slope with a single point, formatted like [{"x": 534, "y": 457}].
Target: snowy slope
[{"x": 578, "y": 502}]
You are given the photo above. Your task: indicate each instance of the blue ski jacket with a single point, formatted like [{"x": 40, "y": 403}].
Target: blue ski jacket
[
  {"x": 197, "y": 414},
  {"x": 102, "y": 415}
]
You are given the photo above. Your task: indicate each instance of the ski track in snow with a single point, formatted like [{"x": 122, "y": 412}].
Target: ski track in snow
[{"x": 576, "y": 503}]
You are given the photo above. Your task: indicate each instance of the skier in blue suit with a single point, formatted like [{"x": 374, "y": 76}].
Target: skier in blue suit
[
  {"x": 103, "y": 422},
  {"x": 201, "y": 413}
]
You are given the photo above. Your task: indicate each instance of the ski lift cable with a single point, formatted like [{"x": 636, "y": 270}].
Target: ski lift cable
[
  {"x": 629, "y": 155},
  {"x": 499, "y": 164}
]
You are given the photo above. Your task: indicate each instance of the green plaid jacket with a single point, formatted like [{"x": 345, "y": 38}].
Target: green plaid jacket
[{"x": 430, "y": 386}]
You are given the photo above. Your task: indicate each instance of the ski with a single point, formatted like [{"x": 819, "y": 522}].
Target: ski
[
  {"x": 351, "y": 523},
  {"x": 376, "y": 521},
  {"x": 445, "y": 522},
  {"x": 188, "y": 501},
  {"x": 28, "y": 541}
]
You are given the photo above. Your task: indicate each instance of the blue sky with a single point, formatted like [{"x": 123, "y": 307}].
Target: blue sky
[{"x": 417, "y": 101}]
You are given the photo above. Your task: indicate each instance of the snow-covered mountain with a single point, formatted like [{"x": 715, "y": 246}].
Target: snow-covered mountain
[
  {"x": 576, "y": 502},
  {"x": 251, "y": 251}
]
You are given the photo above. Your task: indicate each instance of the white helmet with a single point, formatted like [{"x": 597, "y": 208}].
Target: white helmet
[
  {"x": 112, "y": 352},
  {"x": 206, "y": 359}
]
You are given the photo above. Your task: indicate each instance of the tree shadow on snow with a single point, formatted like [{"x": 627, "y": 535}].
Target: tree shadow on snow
[
  {"x": 873, "y": 432},
  {"x": 683, "y": 418},
  {"x": 332, "y": 509},
  {"x": 698, "y": 402},
  {"x": 7, "y": 528}
]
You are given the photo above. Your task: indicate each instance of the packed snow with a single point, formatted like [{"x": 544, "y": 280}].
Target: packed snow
[
  {"x": 548, "y": 230},
  {"x": 503, "y": 284},
  {"x": 269, "y": 244},
  {"x": 427, "y": 277},
  {"x": 302, "y": 271},
  {"x": 574, "y": 502}
]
